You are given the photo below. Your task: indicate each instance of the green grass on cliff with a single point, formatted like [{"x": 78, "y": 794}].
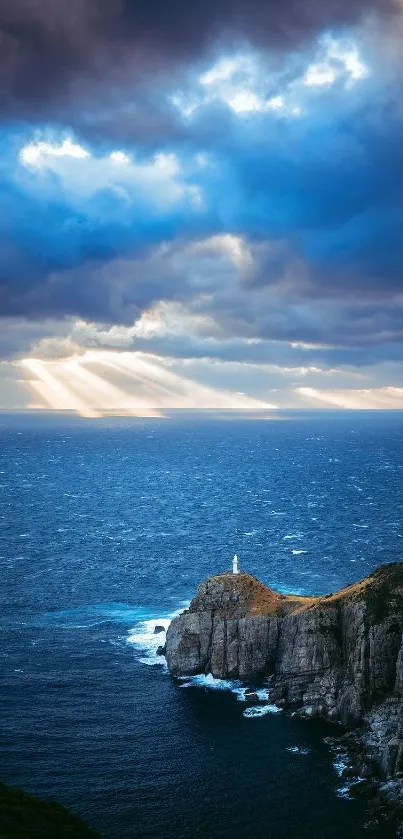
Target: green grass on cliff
[
  {"x": 383, "y": 593},
  {"x": 24, "y": 816}
]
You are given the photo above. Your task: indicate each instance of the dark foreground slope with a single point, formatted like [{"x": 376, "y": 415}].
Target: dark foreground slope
[
  {"x": 339, "y": 657},
  {"x": 24, "y": 816}
]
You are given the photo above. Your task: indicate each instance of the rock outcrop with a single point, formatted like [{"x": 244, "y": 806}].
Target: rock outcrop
[
  {"x": 339, "y": 657},
  {"x": 334, "y": 656}
]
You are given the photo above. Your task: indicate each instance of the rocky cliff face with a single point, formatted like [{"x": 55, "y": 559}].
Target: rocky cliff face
[{"x": 339, "y": 657}]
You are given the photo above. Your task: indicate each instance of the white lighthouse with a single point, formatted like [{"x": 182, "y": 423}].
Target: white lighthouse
[{"x": 235, "y": 565}]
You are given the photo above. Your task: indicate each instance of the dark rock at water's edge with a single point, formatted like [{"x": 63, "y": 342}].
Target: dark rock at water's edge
[
  {"x": 158, "y": 628},
  {"x": 24, "y": 816},
  {"x": 339, "y": 657}
]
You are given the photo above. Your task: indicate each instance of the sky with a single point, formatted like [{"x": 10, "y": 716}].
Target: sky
[{"x": 201, "y": 205}]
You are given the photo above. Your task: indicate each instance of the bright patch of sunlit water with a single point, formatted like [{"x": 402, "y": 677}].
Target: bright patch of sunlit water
[{"x": 106, "y": 530}]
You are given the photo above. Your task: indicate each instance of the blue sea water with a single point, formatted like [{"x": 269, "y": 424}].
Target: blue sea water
[{"x": 106, "y": 529}]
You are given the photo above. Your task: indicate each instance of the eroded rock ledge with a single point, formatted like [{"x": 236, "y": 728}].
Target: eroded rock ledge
[{"x": 339, "y": 657}]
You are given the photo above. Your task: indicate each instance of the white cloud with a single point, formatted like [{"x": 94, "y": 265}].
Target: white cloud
[
  {"x": 319, "y": 74},
  {"x": 275, "y": 103},
  {"x": 242, "y": 81},
  {"x": 243, "y": 101},
  {"x": 136, "y": 384},
  {"x": 36, "y": 154},
  {"x": 381, "y": 398},
  {"x": 226, "y": 68},
  {"x": 159, "y": 180},
  {"x": 119, "y": 157},
  {"x": 338, "y": 60}
]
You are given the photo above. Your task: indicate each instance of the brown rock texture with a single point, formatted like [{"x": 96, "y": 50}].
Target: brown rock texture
[{"x": 339, "y": 656}]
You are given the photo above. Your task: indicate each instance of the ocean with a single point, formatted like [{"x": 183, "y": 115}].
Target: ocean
[{"x": 106, "y": 529}]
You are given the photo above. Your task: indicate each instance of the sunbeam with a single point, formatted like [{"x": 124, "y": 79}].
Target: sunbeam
[
  {"x": 369, "y": 398},
  {"x": 129, "y": 383},
  {"x": 171, "y": 390},
  {"x": 109, "y": 396},
  {"x": 55, "y": 395}
]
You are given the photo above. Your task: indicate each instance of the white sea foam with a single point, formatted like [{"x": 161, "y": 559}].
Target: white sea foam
[
  {"x": 261, "y": 710},
  {"x": 292, "y": 536},
  {"x": 209, "y": 682},
  {"x": 344, "y": 792},
  {"x": 146, "y": 641},
  {"x": 298, "y": 750},
  {"x": 244, "y": 693},
  {"x": 263, "y": 694},
  {"x": 297, "y": 553},
  {"x": 340, "y": 764}
]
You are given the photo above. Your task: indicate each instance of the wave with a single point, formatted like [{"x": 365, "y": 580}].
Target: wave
[
  {"x": 341, "y": 764},
  {"x": 146, "y": 640},
  {"x": 261, "y": 710},
  {"x": 86, "y": 617},
  {"x": 298, "y": 750},
  {"x": 244, "y": 693},
  {"x": 149, "y": 634},
  {"x": 209, "y": 682}
]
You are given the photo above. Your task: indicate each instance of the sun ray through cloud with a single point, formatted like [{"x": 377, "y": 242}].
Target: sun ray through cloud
[{"x": 56, "y": 395}]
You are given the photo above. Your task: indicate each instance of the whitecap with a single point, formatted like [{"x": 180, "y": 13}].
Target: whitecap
[
  {"x": 344, "y": 792},
  {"x": 298, "y": 750},
  {"x": 341, "y": 763},
  {"x": 243, "y": 693},
  {"x": 297, "y": 553},
  {"x": 209, "y": 682},
  {"x": 263, "y": 694},
  {"x": 146, "y": 641},
  {"x": 261, "y": 710}
]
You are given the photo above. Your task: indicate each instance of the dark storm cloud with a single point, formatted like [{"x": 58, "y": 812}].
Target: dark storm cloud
[
  {"x": 316, "y": 200},
  {"x": 51, "y": 51},
  {"x": 319, "y": 201}
]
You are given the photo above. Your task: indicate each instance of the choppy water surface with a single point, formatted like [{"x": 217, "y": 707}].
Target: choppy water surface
[{"x": 106, "y": 529}]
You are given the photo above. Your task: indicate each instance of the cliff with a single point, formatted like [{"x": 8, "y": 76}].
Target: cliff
[{"x": 339, "y": 657}]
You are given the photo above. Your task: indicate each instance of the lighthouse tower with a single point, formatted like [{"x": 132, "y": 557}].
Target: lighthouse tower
[{"x": 235, "y": 565}]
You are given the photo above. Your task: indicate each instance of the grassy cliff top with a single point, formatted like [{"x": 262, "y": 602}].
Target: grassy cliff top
[
  {"x": 235, "y": 593},
  {"x": 243, "y": 594},
  {"x": 381, "y": 592},
  {"x": 24, "y": 816}
]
